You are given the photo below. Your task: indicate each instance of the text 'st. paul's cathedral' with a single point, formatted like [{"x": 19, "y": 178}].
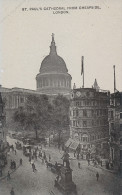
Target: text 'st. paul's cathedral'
[{"x": 53, "y": 77}]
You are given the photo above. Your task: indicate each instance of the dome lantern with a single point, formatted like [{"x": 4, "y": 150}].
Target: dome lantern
[{"x": 53, "y": 47}]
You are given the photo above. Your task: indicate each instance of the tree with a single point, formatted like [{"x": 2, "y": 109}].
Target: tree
[
  {"x": 60, "y": 115},
  {"x": 35, "y": 113}
]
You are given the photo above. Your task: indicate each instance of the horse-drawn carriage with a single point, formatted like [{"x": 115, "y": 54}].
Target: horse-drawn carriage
[
  {"x": 18, "y": 145},
  {"x": 55, "y": 168},
  {"x": 27, "y": 150}
]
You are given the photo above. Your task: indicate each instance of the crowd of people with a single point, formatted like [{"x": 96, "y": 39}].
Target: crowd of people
[{"x": 38, "y": 153}]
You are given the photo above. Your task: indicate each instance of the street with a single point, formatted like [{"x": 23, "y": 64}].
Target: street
[{"x": 26, "y": 182}]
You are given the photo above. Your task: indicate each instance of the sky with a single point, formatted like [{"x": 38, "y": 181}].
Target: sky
[{"x": 96, "y": 34}]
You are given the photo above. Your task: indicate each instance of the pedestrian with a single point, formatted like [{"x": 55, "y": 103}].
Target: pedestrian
[
  {"x": 44, "y": 156},
  {"x": 42, "y": 160},
  {"x": 39, "y": 154},
  {"x": 14, "y": 164},
  {"x": 78, "y": 156},
  {"x": 15, "y": 152},
  {"x": 49, "y": 158},
  {"x": 12, "y": 191},
  {"x": 95, "y": 163},
  {"x": 79, "y": 165},
  {"x": 12, "y": 148},
  {"x": 47, "y": 164},
  {"x": 97, "y": 176},
  {"x": 8, "y": 176},
  {"x": 74, "y": 153},
  {"x": 20, "y": 161},
  {"x": 101, "y": 163},
  {"x": 11, "y": 164},
  {"x": 33, "y": 166},
  {"x": 57, "y": 178},
  {"x": 30, "y": 159},
  {"x": 88, "y": 162}
]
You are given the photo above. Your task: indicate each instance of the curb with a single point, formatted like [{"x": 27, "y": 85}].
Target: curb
[{"x": 110, "y": 171}]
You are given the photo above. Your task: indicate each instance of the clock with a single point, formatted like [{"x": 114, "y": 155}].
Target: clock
[{"x": 78, "y": 93}]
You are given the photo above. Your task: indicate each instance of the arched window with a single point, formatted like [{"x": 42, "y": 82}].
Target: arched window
[
  {"x": 76, "y": 136},
  {"x": 84, "y": 138}
]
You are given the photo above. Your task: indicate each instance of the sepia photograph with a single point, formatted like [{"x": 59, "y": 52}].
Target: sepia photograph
[{"x": 60, "y": 97}]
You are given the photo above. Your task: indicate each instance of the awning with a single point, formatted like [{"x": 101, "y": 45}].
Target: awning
[
  {"x": 68, "y": 143},
  {"x": 72, "y": 144}
]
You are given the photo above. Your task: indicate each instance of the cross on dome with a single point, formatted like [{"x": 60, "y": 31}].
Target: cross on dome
[{"x": 52, "y": 37}]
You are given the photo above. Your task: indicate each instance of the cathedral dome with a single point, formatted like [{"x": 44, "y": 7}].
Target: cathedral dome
[
  {"x": 53, "y": 77},
  {"x": 53, "y": 62}
]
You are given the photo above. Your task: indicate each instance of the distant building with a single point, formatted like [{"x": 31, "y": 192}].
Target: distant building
[
  {"x": 89, "y": 119},
  {"x": 53, "y": 79},
  {"x": 3, "y": 143},
  {"x": 115, "y": 129}
]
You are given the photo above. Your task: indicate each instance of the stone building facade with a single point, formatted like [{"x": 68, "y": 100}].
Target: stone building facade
[
  {"x": 89, "y": 119},
  {"x": 115, "y": 129}
]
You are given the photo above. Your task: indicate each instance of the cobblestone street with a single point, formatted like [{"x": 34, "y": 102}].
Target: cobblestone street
[{"x": 41, "y": 182}]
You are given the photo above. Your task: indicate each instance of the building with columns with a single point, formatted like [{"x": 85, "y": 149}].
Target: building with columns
[
  {"x": 3, "y": 142},
  {"x": 115, "y": 129},
  {"x": 89, "y": 119},
  {"x": 53, "y": 77}
]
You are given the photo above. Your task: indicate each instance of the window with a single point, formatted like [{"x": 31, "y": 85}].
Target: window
[
  {"x": 84, "y": 123},
  {"x": 111, "y": 114},
  {"x": 92, "y": 122},
  {"x": 22, "y": 100},
  {"x": 73, "y": 112},
  {"x": 92, "y": 112},
  {"x": 111, "y": 102},
  {"x": 77, "y": 123},
  {"x": 84, "y": 138},
  {"x": 77, "y": 113},
  {"x": 120, "y": 114},
  {"x": 73, "y": 123},
  {"x": 120, "y": 127},
  {"x": 112, "y": 126},
  {"x": 84, "y": 113},
  {"x": 97, "y": 121}
]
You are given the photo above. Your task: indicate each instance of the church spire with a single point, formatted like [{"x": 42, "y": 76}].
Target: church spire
[
  {"x": 53, "y": 47},
  {"x": 95, "y": 85}
]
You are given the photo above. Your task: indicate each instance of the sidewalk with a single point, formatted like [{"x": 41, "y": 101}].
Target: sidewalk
[
  {"x": 109, "y": 170},
  {"x": 11, "y": 156}
]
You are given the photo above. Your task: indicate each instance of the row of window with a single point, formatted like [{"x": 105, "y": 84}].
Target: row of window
[
  {"x": 15, "y": 101},
  {"x": 115, "y": 114},
  {"x": 88, "y": 113},
  {"x": 112, "y": 126},
  {"x": 55, "y": 83},
  {"x": 84, "y": 123},
  {"x": 91, "y": 103},
  {"x": 86, "y": 138}
]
